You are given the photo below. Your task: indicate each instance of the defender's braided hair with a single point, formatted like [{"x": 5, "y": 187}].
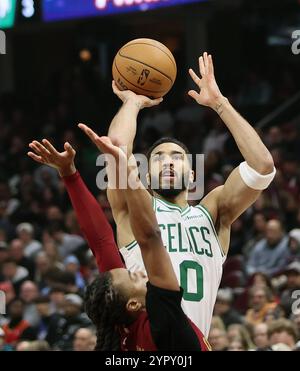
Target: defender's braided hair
[{"x": 107, "y": 309}]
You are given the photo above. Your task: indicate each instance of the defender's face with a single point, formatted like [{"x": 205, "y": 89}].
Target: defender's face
[
  {"x": 169, "y": 167},
  {"x": 132, "y": 285}
]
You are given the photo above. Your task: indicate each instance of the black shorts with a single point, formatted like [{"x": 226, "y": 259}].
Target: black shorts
[{"x": 170, "y": 327}]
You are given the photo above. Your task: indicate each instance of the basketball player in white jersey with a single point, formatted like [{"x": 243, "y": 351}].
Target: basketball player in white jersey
[{"x": 197, "y": 238}]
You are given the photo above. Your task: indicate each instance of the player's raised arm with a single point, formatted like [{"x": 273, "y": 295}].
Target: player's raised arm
[
  {"x": 122, "y": 130},
  {"x": 143, "y": 221},
  {"x": 88, "y": 211},
  {"x": 247, "y": 181}
]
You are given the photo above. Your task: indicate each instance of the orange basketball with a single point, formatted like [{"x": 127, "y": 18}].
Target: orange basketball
[{"x": 146, "y": 67}]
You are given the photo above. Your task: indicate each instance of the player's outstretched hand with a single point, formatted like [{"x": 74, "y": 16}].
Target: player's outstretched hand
[
  {"x": 104, "y": 144},
  {"x": 140, "y": 100},
  {"x": 209, "y": 93},
  {"x": 45, "y": 153}
]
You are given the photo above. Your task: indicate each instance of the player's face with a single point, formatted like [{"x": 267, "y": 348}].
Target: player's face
[
  {"x": 132, "y": 285},
  {"x": 169, "y": 170}
]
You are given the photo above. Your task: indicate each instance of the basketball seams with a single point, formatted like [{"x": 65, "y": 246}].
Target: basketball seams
[
  {"x": 136, "y": 86},
  {"x": 155, "y": 46}
]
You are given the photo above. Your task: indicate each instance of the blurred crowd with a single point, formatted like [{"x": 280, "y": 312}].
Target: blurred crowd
[{"x": 45, "y": 263}]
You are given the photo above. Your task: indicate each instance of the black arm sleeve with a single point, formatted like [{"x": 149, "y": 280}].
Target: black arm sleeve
[{"x": 169, "y": 326}]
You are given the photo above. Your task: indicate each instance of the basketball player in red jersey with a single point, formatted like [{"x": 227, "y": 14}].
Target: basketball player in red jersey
[{"x": 129, "y": 313}]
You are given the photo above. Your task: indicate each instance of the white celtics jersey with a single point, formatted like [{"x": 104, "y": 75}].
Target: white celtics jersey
[{"x": 191, "y": 240}]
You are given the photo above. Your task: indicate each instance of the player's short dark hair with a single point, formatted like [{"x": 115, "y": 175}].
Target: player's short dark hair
[{"x": 166, "y": 140}]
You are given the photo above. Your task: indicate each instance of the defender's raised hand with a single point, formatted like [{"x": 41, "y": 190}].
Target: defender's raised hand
[
  {"x": 140, "y": 100},
  {"x": 45, "y": 153},
  {"x": 209, "y": 94}
]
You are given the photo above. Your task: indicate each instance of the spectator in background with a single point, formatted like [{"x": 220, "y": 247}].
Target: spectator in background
[
  {"x": 238, "y": 344},
  {"x": 25, "y": 232},
  {"x": 294, "y": 245},
  {"x": 16, "y": 252},
  {"x": 2, "y": 335},
  {"x": 274, "y": 314},
  {"x": 17, "y": 328},
  {"x": 218, "y": 339},
  {"x": 239, "y": 332},
  {"x": 292, "y": 273},
  {"x": 4, "y": 347},
  {"x": 57, "y": 298},
  {"x": 256, "y": 233},
  {"x": 49, "y": 247},
  {"x": 66, "y": 243},
  {"x": 260, "y": 336},
  {"x": 10, "y": 295},
  {"x": 283, "y": 331},
  {"x": 3, "y": 254},
  {"x": 269, "y": 255},
  {"x": 45, "y": 176},
  {"x": 296, "y": 321},
  {"x": 43, "y": 267},
  {"x": 261, "y": 301},
  {"x": 71, "y": 222},
  {"x": 8, "y": 204},
  {"x": 28, "y": 293},
  {"x": 6, "y": 226},
  {"x": 262, "y": 280},
  {"x": 54, "y": 214},
  {"x": 14, "y": 273},
  {"x": 33, "y": 346},
  {"x": 223, "y": 308},
  {"x": 84, "y": 340},
  {"x": 68, "y": 324},
  {"x": 72, "y": 265},
  {"x": 46, "y": 327}
]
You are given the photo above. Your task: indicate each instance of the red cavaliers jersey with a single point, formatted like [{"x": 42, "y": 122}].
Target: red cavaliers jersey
[{"x": 137, "y": 337}]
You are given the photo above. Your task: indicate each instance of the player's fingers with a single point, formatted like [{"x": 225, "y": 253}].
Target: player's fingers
[
  {"x": 35, "y": 157},
  {"x": 193, "y": 94},
  {"x": 49, "y": 147},
  {"x": 206, "y": 62},
  {"x": 103, "y": 144},
  {"x": 195, "y": 77},
  {"x": 69, "y": 148},
  {"x": 34, "y": 148},
  {"x": 89, "y": 132},
  {"x": 115, "y": 88},
  {"x": 43, "y": 151},
  {"x": 202, "y": 66},
  {"x": 156, "y": 102},
  {"x": 211, "y": 64}
]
